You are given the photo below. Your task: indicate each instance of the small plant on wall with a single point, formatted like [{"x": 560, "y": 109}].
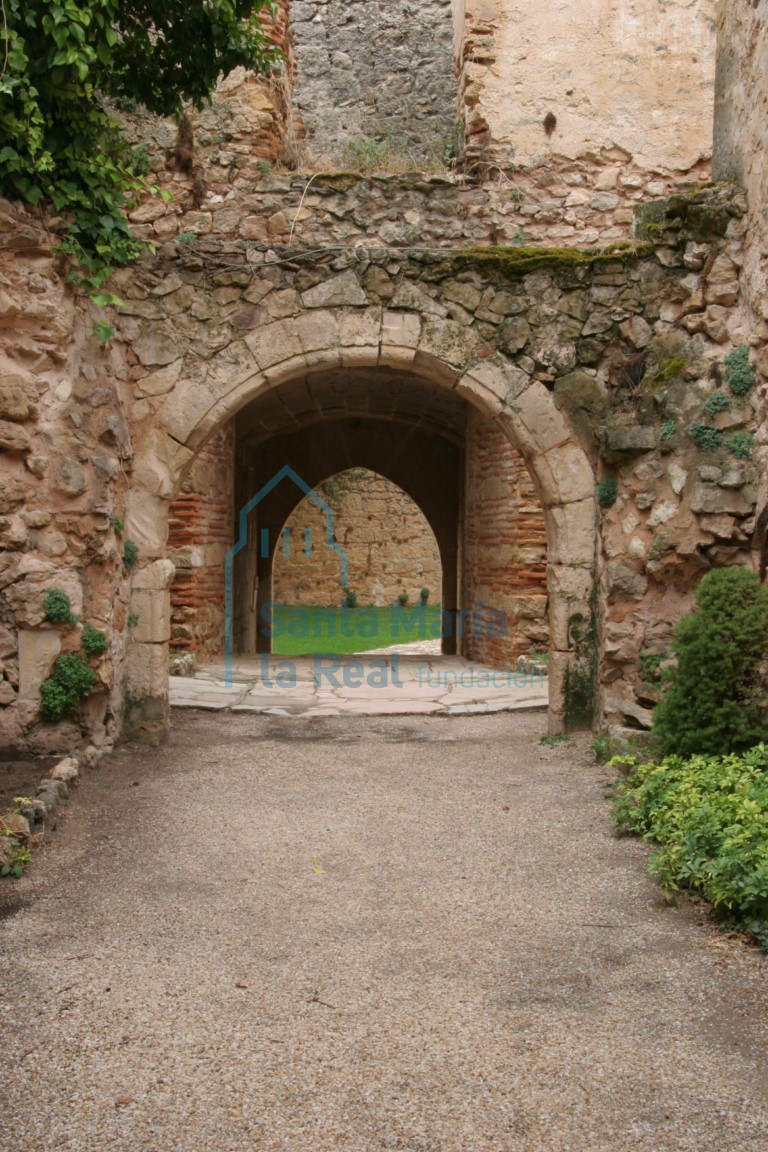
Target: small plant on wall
[
  {"x": 70, "y": 682},
  {"x": 58, "y": 607},
  {"x": 608, "y": 492},
  {"x": 130, "y": 555}
]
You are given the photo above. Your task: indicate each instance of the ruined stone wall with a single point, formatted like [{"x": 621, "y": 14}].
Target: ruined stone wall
[
  {"x": 375, "y": 81},
  {"x": 741, "y": 113},
  {"x": 627, "y": 81},
  {"x": 65, "y": 450},
  {"x": 200, "y": 531},
  {"x": 390, "y": 546},
  {"x": 561, "y": 204},
  {"x": 505, "y": 550},
  {"x": 631, "y": 346}
]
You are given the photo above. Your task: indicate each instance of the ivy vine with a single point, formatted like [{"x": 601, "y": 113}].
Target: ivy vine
[{"x": 59, "y": 60}]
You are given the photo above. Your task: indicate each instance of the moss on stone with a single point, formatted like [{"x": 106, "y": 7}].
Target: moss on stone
[{"x": 515, "y": 261}]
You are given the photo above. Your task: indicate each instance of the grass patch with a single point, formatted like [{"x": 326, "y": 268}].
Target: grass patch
[{"x": 304, "y": 631}]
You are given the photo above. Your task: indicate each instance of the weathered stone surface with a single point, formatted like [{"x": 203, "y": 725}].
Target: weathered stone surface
[
  {"x": 343, "y": 290},
  {"x": 37, "y": 652},
  {"x": 13, "y": 438},
  {"x": 633, "y": 439},
  {"x": 67, "y": 770},
  {"x": 714, "y": 500}
]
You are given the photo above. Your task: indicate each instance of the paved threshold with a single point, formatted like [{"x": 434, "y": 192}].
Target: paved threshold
[{"x": 387, "y": 683}]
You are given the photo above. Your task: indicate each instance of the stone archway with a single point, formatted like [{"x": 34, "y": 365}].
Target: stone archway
[{"x": 437, "y": 352}]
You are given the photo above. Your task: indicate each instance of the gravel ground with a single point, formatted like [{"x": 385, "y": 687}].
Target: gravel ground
[{"x": 414, "y": 934}]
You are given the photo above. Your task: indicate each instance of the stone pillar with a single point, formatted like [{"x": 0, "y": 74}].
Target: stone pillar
[{"x": 146, "y": 680}]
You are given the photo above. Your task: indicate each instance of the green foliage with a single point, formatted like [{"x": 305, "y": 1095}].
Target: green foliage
[
  {"x": 718, "y": 402},
  {"x": 130, "y": 555},
  {"x": 70, "y": 682},
  {"x": 551, "y": 741},
  {"x": 350, "y": 599},
  {"x": 186, "y": 237},
  {"x": 375, "y": 153},
  {"x": 103, "y": 332},
  {"x": 116, "y": 523},
  {"x": 402, "y": 599},
  {"x": 520, "y": 238},
  {"x": 668, "y": 430},
  {"x": 17, "y": 857},
  {"x": 57, "y": 141},
  {"x": 740, "y": 445},
  {"x": 601, "y": 747},
  {"x": 58, "y": 607},
  {"x": 716, "y": 702},
  {"x": 741, "y": 377},
  {"x": 607, "y": 492},
  {"x": 670, "y": 370},
  {"x": 424, "y": 595},
  {"x": 649, "y": 665},
  {"x": 708, "y": 439},
  {"x": 133, "y": 619},
  {"x": 709, "y": 816},
  {"x": 265, "y": 168},
  {"x": 93, "y": 640}
]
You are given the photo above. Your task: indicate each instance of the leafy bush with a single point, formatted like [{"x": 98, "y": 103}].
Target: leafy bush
[
  {"x": 608, "y": 492},
  {"x": 350, "y": 599},
  {"x": 93, "y": 640},
  {"x": 707, "y": 438},
  {"x": 741, "y": 377},
  {"x": 58, "y": 142},
  {"x": 717, "y": 402},
  {"x": 130, "y": 554},
  {"x": 402, "y": 599},
  {"x": 709, "y": 816},
  {"x": 668, "y": 429},
  {"x": 58, "y": 607},
  {"x": 70, "y": 682},
  {"x": 716, "y": 701},
  {"x": 740, "y": 445},
  {"x": 17, "y": 856},
  {"x": 424, "y": 595}
]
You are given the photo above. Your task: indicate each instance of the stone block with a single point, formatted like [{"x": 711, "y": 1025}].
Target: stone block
[
  {"x": 714, "y": 500},
  {"x": 154, "y": 615},
  {"x": 338, "y": 292},
  {"x": 67, "y": 770},
  {"x": 638, "y": 438},
  {"x": 38, "y": 650}
]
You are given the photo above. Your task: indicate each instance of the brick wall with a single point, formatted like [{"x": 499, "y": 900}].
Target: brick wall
[
  {"x": 505, "y": 548},
  {"x": 200, "y": 532}
]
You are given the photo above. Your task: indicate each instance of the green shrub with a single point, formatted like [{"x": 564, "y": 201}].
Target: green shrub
[
  {"x": 402, "y": 599},
  {"x": 424, "y": 595},
  {"x": 741, "y": 378},
  {"x": 70, "y": 682},
  {"x": 130, "y": 554},
  {"x": 717, "y": 402},
  {"x": 668, "y": 429},
  {"x": 608, "y": 492},
  {"x": 93, "y": 640},
  {"x": 716, "y": 700},
  {"x": 709, "y": 816},
  {"x": 708, "y": 439},
  {"x": 58, "y": 607},
  {"x": 116, "y": 523},
  {"x": 740, "y": 445},
  {"x": 350, "y": 599}
]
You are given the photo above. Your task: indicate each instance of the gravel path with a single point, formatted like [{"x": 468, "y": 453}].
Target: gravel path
[{"x": 416, "y": 934}]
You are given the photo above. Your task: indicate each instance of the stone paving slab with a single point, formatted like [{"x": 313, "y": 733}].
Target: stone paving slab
[{"x": 416, "y": 683}]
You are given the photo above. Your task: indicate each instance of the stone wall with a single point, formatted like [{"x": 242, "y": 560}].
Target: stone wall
[
  {"x": 505, "y": 550},
  {"x": 562, "y": 204},
  {"x": 389, "y": 544},
  {"x": 375, "y": 81},
  {"x": 621, "y": 81},
  {"x": 200, "y": 531},
  {"x": 629, "y": 345},
  {"x": 740, "y": 154}
]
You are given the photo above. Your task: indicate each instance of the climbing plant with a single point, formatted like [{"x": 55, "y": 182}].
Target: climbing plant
[{"x": 60, "y": 59}]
